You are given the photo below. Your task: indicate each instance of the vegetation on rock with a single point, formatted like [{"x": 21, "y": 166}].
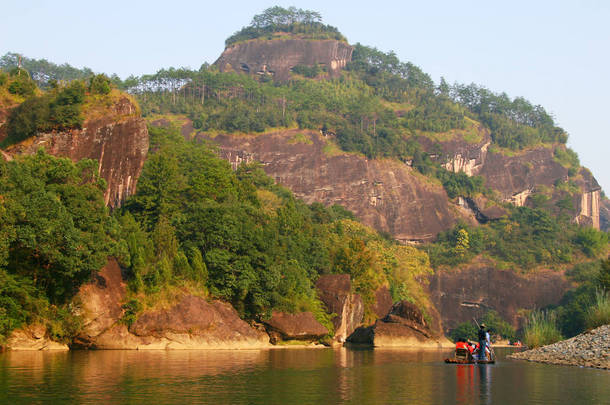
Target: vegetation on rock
[{"x": 277, "y": 20}]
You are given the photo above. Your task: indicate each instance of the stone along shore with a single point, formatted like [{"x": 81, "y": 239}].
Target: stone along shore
[{"x": 589, "y": 349}]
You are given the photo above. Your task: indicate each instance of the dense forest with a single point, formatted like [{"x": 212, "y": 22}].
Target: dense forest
[{"x": 196, "y": 225}]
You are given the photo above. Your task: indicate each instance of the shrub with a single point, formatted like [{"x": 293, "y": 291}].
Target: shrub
[
  {"x": 599, "y": 313},
  {"x": 541, "y": 329},
  {"x": 100, "y": 84}
]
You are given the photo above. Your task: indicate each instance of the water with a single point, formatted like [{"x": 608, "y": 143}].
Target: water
[{"x": 290, "y": 376}]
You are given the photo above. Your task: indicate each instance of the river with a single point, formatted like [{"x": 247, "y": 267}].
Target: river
[{"x": 290, "y": 376}]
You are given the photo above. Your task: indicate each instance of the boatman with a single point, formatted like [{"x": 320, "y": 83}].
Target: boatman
[{"x": 483, "y": 342}]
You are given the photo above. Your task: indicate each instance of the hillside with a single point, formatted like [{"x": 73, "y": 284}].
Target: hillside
[{"x": 294, "y": 158}]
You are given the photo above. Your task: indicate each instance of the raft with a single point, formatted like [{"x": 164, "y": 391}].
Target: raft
[
  {"x": 463, "y": 356},
  {"x": 468, "y": 361}
]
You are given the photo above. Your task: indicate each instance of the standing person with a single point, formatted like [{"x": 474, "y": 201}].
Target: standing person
[{"x": 483, "y": 339}]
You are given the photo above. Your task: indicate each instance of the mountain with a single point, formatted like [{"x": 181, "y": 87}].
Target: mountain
[{"x": 296, "y": 174}]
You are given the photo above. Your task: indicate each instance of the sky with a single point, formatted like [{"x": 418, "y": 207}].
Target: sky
[{"x": 553, "y": 53}]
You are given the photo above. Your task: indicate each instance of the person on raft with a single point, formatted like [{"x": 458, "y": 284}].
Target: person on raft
[{"x": 483, "y": 342}]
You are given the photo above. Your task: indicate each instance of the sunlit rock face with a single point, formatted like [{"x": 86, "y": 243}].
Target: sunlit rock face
[
  {"x": 385, "y": 194},
  {"x": 277, "y": 57},
  {"x": 117, "y": 139},
  {"x": 335, "y": 292}
]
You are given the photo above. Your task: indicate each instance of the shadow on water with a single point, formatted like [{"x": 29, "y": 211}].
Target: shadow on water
[{"x": 292, "y": 376}]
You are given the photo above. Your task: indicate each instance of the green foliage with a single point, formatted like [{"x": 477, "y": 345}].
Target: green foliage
[
  {"x": 55, "y": 233},
  {"x": 21, "y": 84},
  {"x": 527, "y": 238},
  {"x": 100, "y": 84},
  {"x": 247, "y": 240},
  {"x": 465, "y": 330},
  {"x": 591, "y": 241},
  {"x": 44, "y": 72},
  {"x": 307, "y": 71},
  {"x": 57, "y": 110},
  {"x": 19, "y": 302},
  {"x": 304, "y": 23},
  {"x": 460, "y": 184},
  {"x": 495, "y": 324},
  {"x": 604, "y": 275},
  {"x": 567, "y": 157},
  {"x": 58, "y": 219},
  {"x": 541, "y": 329},
  {"x": 599, "y": 313},
  {"x": 514, "y": 124},
  {"x": 132, "y": 307},
  {"x": 498, "y": 326}
]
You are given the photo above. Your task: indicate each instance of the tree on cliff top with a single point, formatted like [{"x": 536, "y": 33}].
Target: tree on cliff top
[
  {"x": 294, "y": 20},
  {"x": 278, "y": 16}
]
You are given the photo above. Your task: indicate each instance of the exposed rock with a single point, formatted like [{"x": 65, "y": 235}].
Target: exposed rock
[
  {"x": 33, "y": 337},
  {"x": 604, "y": 215},
  {"x": 463, "y": 294},
  {"x": 588, "y": 205},
  {"x": 191, "y": 323},
  {"x": 118, "y": 140},
  {"x": 404, "y": 326},
  {"x": 482, "y": 209},
  {"x": 334, "y": 290},
  {"x": 100, "y": 303},
  {"x": 385, "y": 194},
  {"x": 589, "y": 349},
  {"x": 299, "y": 326},
  {"x": 277, "y": 57},
  {"x": 383, "y": 302},
  {"x": 457, "y": 154}
]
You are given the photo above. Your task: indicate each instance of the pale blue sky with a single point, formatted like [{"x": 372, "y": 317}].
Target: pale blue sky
[{"x": 554, "y": 53}]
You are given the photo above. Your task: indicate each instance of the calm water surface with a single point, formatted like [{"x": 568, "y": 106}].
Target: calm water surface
[{"x": 291, "y": 376}]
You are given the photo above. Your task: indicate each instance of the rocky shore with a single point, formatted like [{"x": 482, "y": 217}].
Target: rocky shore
[
  {"x": 194, "y": 322},
  {"x": 589, "y": 349}
]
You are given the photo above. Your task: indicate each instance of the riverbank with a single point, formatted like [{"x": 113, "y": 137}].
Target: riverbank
[{"x": 589, "y": 349}]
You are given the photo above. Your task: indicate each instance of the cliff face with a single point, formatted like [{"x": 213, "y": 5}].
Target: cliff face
[
  {"x": 461, "y": 295},
  {"x": 277, "y": 57},
  {"x": 604, "y": 215},
  {"x": 385, "y": 194},
  {"x": 118, "y": 139},
  {"x": 517, "y": 177}
]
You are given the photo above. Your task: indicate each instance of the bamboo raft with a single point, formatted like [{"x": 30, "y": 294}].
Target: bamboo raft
[{"x": 463, "y": 356}]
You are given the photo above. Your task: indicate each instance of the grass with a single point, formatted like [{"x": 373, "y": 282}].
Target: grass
[
  {"x": 300, "y": 138},
  {"x": 332, "y": 149},
  {"x": 599, "y": 313},
  {"x": 541, "y": 329}
]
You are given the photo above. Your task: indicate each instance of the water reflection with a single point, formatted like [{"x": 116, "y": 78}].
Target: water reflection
[{"x": 339, "y": 376}]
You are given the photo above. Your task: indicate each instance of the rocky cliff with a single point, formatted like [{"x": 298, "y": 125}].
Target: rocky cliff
[
  {"x": 385, "y": 194},
  {"x": 277, "y": 57},
  {"x": 516, "y": 176},
  {"x": 117, "y": 137},
  {"x": 190, "y": 323},
  {"x": 461, "y": 295}
]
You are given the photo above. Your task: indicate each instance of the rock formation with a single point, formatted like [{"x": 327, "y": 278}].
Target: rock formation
[
  {"x": 604, "y": 215},
  {"x": 334, "y": 290},
  {"x": 404, "y": 326},
  {"x": 33, "y": 337},
  {"x": 278, "y": 57},
  {"x": 299, "y": 326},
  {"x": 190, "y": 323},
  {"x": 118, "y": 139},
  {"x": 385, "y": 194},
  {"x": 463, "y": 294}
]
